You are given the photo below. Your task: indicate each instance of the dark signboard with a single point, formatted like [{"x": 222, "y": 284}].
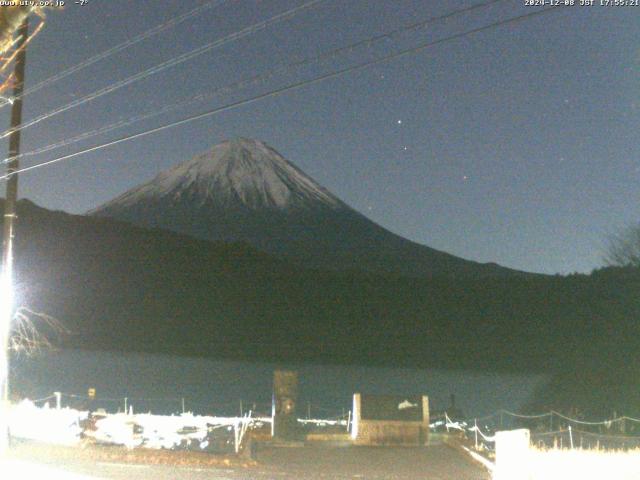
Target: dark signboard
[
  {"x": 285, "y": 397},
  {"x": 391, "y": 407}
]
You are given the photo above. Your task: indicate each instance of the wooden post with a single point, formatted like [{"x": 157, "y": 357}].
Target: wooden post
[
  {"x": 355, "y": 416},
  {"x": 236, "y": 432},
  {"x": 570, "y": 437},
  {"x": 6, "y": 274},
  {"x": 475, "y": 424},
  {"x": 426, "y": 419}
]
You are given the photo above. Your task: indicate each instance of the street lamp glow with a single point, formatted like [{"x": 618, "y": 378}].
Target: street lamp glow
[
  {"x": 6, "y": 314},
  {"x": 6, "y": 299}
]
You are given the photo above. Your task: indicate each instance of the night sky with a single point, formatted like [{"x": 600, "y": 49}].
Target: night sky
[{"x": 516, "y": 145}]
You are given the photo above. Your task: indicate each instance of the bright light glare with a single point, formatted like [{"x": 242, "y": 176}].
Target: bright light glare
[
  {"x": 59, "y": 427},
  {"x": 517, "y": 459},
  {"x": 6, "y": 298},
  {"x": 6, "y": 308},
  {"x": 63, "y": 427},
  {"x": 584, "y": 464}
]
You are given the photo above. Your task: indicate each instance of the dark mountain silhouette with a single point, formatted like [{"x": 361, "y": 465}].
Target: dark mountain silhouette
[
  {"x": 119, "y": 287},
  {"x": 243, "y": 190}
]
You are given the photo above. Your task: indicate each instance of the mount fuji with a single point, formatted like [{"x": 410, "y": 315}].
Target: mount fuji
[{"x": 243, "y": 190}]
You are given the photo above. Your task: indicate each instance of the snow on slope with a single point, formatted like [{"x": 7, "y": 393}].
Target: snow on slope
[
  {"x": 244, "y": 191},
  {"x": 239, "y": 172}
]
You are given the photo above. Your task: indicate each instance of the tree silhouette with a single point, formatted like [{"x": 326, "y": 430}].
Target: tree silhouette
[{"x": 623, "y": 249}]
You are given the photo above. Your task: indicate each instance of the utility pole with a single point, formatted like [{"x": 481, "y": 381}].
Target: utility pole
[{"x": 6, "y": 313}]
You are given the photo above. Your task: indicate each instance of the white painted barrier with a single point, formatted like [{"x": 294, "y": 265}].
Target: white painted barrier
[{"x": 512, "y": 455}]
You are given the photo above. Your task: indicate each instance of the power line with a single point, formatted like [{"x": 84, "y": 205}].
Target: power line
[
  {"x": 281, "y": 90},
  {"x": 120, "y": 47},
  {"x": 603, "y": 422},
  {"x": 527, "y": 417},
  {"x": 167, "y": 64},
  {"x": 552, "y": 413},
  {"x": 255, "y": 79}
]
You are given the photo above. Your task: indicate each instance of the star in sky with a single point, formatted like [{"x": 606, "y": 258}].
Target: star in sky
[{"x": 476, "y": 105}]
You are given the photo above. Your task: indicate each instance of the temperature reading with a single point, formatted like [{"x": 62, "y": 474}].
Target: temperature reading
[{"x": 82, "y": 2}]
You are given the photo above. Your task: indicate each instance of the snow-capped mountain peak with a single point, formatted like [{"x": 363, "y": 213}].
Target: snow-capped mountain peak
[
  {"x": 244, "y": 191},
  {"x": 241, "y": 173}
]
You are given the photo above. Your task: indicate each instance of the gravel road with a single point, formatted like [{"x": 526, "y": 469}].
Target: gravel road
[{"x": 437, "y": 462}]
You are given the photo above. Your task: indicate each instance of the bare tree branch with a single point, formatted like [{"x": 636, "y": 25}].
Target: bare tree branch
[
  {"x": 34, "y": 331},
  {"x": 623, "y": 249}
]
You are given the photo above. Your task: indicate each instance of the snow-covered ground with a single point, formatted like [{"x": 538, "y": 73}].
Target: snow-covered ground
[
  {"x": 66, "y": 426},
  {"x": 45, "y": 424}
]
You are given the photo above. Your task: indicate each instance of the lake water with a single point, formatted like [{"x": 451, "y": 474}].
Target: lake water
[{"x": 158, "y": 383}]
